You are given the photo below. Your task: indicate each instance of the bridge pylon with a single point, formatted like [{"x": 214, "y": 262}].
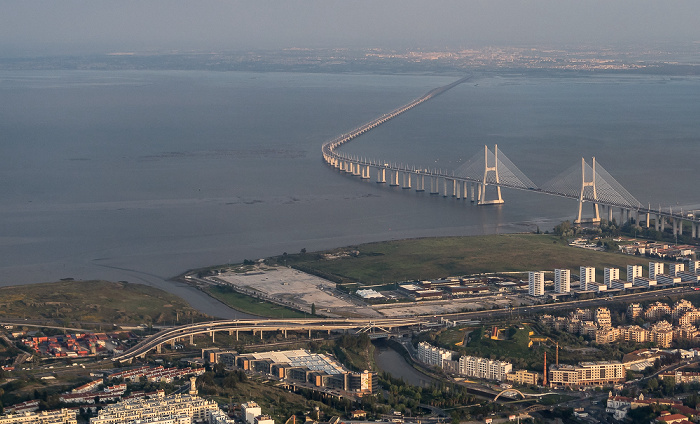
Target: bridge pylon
[
  {"x": 590, "y": 183},
  {"x": 487, "y": 169}
]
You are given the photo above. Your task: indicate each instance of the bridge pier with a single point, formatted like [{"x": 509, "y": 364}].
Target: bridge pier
[
  {"x": 159, "y": 348},
  {"x": 662, "y": 225},
  {"x": 191, "y": 339},
  {"x": 694, "y": 230},
  {"x": 455, "y": 189},
  {"x": 444, "y": 187},
  {"x": 212, "y": 337},
  {"x": 471, "y": 185},
  {"x": 406, "y": 180},
  {"x": 420, "y": 182},
  {"x": 356, "y": 170},
  {"x": 365, "y": 173},
  {"x": 434, "y": 187},
  {"x": 610, "y": 213},
  {"x": 381, "y": 175},
  {"x": 464, "y": 190},
  {"x": 584, "y": 184},
  {"x": 648, "y": 215},
  {"x": 394, "y": 179}
]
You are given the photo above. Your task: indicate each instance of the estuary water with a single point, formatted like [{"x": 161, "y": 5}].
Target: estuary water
[{"x": 141, "y": 175}]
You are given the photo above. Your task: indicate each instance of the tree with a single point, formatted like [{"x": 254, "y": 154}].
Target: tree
[
  {"x": 313, "y": 309},
  {"x": 303, "y": 250}
]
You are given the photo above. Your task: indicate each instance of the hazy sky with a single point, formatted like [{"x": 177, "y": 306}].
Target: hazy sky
[{"x": 65, "y": 26}]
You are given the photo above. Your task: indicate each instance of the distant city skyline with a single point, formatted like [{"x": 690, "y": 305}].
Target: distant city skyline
[{"x": 79, "y": 27}]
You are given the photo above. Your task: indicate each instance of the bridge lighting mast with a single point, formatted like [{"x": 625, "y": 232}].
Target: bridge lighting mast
[{"x": 584, "y": 184}]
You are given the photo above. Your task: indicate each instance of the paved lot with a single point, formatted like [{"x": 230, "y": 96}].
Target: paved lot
[{"x": 294, "y": 287}]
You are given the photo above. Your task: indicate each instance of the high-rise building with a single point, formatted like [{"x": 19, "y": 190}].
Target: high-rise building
[
  {"x": 586, "y": 275},
  {"x": 610, "y": 275},
  {"x": 633, "y": 271},
  {"x": 694, "y": 266},
  {"x": 562, "y": 280},
  {"x": 536, "y": 283},
  {"x": 655, "y": 268},
  {"x": 674, "y": 269}
]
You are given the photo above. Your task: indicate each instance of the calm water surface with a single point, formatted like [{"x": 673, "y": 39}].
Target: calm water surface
[{"x": 140, "y": 176}]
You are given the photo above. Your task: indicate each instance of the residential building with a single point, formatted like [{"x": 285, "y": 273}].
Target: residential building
[
  {"x": 562, "y": 280},
  {"x": 489, "y": 369},
  {"x": 675, "y": 268},
  {"x": 611, "y": 274},
  {"x": 657, "y": 310},
  {"x": 634, "y": 333},
  {"x": 536, "y": 283},
  {"x": 607, "y": 335},
  {"x": 689, "y": 318},
  {"x": 587, "y": 374},
  {"x": 431, "y": 355},
  {"x": 655, "y": 268},
  {"x": 62, "y": 416},
  {"x": 620, "y": 285},
  {"x": 694, "y": 266},
  {"x": 586, "y": 276},
  {"x": 644, "y": 282},
  {"x": 662, "y": 334},
  {"x": 667, "y": 280},
  {"x": 176, "y": 409},
  {"x": 602, "y": 317},
  {"x": 249, "y": 411},
  {"x": 680, "y": 308},
  {"x": 633, "y": 271},
  {"x": 634, "y": 310},
  {"x": 524, "y": 377}
]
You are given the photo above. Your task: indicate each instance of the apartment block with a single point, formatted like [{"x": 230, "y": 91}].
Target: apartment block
[
  {"x": 535, "y": 284},
  {"x": 562, "y": 280}
]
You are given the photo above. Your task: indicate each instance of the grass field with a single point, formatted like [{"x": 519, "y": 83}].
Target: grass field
[
  {"x": 429, "y": 258},
  {"x": 252, "y": 305},
  {"x": 95, "y": 301}
]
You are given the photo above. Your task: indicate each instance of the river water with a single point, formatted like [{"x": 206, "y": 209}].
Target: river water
[
  {"x": 390, "y": 361},
  {"x": 140, "y": 175}
]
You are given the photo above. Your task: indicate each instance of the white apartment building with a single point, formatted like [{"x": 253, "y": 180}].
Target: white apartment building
[
  {"x": 488, "y": 369},
  {"x": 162, "y": 409},
  {"x": 674, "y": 269},
  {"x": 611, "y": 274},
  {"x": 643, "y": 282},
  {"x": 633, "y": 271},
  {"x": 62, "y": 416},
  {"x": 250, "y": 410},
  {"x": 535, "y": 286},
  {"x": 655, "y": 268},
  {"x": 694, "y": 266},
  {"x": 562, "y": 280},
  {"x": 431, "y": 355},
  {"x": 586, "y": 275}
]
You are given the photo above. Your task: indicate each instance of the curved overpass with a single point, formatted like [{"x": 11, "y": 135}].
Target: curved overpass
[{"x": 260, "y": 325}]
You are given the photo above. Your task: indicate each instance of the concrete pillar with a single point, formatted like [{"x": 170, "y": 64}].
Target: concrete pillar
[
  {"x": 693, "y": 230},
  {"x": 454, "y": 189},
  {"x": 159, "y": 348},
  {"x": 285, "y": 333},
  {"x": 464, "y": 190},
  {"x": 434, "y": 185},
  {"x": 236, "y": 335},
  {"x": 406, "y": 180},
  {"x": 309, "y": 333},
  {"x": 680, "y": 227},
  {"x": 648, "y": 215},
  {"x": 395, "y": 179},
  {"x": 261, "y": 334},
  {"x": 610, "y": 213},
  {"x": 420, "y": 182},
  {"x": 212, "y": 337},
  {"x": 674, "y": 221},
  {"x": 381, "y": 175},
  {"x": 471, "y": 185},
  {"x": 444, "y": 187},
  {"x": 191, "y": 339},
  {"x": 663, "y": 223}
]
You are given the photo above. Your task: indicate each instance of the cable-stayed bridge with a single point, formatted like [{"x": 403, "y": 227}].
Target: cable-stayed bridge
[{"x": 585, "y": 182}]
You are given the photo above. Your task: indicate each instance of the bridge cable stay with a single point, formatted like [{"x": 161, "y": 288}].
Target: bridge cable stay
[
  {"x": 607, "y": 190},
  {"x": 508, "y": 174}
]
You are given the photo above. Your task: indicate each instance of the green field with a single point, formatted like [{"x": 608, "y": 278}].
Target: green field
[
  {"x": 430, "y": 258},
  {"x": 251, "y": 305},
  {"x": 95, "y": 301}
]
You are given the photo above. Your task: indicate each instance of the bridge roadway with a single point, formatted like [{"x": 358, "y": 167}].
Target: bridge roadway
[
  {"x": 361, "y": 167},
  {"x": 174, "y": 334}
]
